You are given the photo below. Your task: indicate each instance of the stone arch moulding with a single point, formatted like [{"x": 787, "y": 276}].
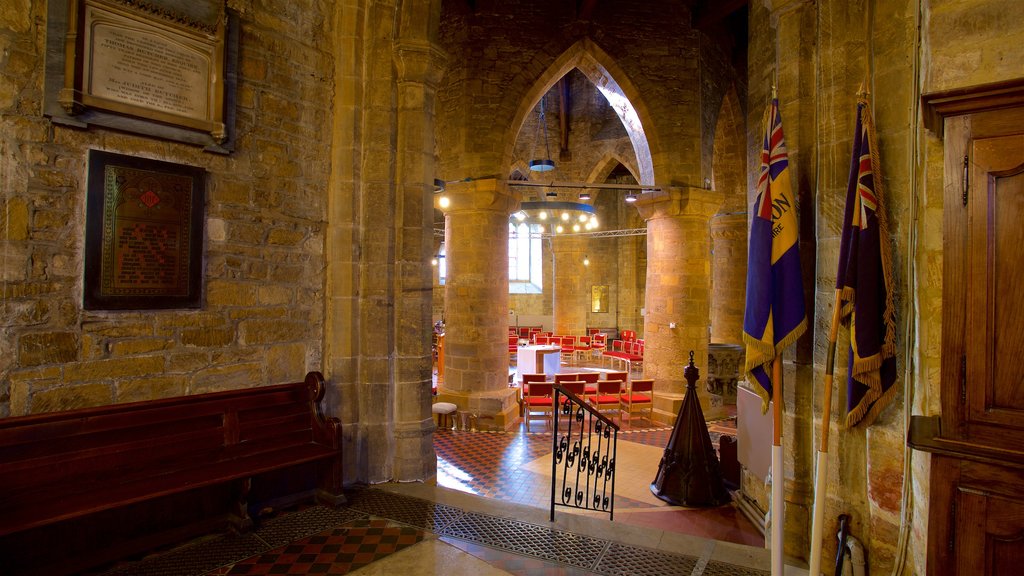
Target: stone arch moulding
[
  {"x": 611, "y": 81},
  {"x": 728, "y": 162},
  {"x": 606, "y": 164}
]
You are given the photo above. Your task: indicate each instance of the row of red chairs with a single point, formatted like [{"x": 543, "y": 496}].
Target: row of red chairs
[{"x": 613, "y": 394}]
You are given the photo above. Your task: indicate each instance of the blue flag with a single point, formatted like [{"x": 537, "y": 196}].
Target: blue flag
[
  {"x": 865, "y": 279},
  {"x": 774, "y": 317}
]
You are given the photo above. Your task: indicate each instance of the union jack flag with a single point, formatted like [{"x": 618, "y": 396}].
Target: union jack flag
[
  {"x": 865, "y": 280},
  {"x": 774, "y": 316}
]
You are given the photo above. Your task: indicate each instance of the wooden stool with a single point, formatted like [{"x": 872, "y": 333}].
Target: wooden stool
[{"x": 444, "y": 411}]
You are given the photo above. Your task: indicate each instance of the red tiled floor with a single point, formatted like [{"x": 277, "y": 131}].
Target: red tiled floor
[
  {"x": 491, "y": 464},
  {"x": 336, "y": 551}
]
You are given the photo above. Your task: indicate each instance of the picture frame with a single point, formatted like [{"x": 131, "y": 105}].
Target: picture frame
[
  {"x": 599, "y": 299},
  {"x": 144, "y": 233}
]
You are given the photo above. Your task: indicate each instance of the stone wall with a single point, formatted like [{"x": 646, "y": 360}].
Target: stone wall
[
  {"x": 820, "y": 54},
  {"x": 262, "y": 316}
]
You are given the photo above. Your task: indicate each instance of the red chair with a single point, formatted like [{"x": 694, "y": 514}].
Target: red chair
[
  {"x": 582, "y": 347},
  {"x": 591, "y": 379},
  {"x": 598, "y": 343},
  {"x": 639, "y": 395},
  {"x": 607, "y": 397},
  {"x": 539, "y": 400},
  {"x": 620, "y": 376},
  {"x": 577, "y": 387},
  {"x": 524, "y": 387},
  {"x": 568, "y": 348}
]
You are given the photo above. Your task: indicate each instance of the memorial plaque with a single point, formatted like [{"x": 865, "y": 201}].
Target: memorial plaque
[
  {"x": 144, "y": 233},
  {"x": 162, "y": 67}
]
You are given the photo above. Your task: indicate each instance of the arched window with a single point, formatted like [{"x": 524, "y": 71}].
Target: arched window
[{"x": 524, "y": 259}]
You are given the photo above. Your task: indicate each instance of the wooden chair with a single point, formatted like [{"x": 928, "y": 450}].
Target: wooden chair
[
  {"x": 620, "y": 376},
  {"x": 582, "y": 347},
  {"x": 577, "y": 387},
  {"x": 538, "y": 400},
  {"x": 591, "y": 378},
  {"x": 568, "y": 348},
  {"x": 524, "y": 387},
  {"x": 598, "y": 343},
  {"x": 607, "y": 396},
  {"x": 640, "y": 395}
]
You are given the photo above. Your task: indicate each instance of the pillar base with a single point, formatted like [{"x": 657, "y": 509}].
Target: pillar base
[
  {"x": 666, "y": 408},
  {"x": 488, "y": 411}
]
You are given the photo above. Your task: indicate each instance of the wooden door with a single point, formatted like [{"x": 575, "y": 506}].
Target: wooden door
[
  {"x": 994, "y": 339},
  {"x": 989, "y": 531},
  {"x": 976, "y": 499}
]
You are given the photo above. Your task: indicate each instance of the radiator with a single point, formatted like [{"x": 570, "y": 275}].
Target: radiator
[{"x": 753, "y": 433}]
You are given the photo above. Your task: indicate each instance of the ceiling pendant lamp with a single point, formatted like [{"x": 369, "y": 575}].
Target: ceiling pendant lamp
[{"x": 544, "y": 164}]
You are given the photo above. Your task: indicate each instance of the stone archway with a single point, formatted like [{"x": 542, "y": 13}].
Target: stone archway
[{"x": 729, "y": 226}]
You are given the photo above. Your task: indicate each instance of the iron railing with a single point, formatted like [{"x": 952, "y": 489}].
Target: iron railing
[{"x": 583, "y": 459}]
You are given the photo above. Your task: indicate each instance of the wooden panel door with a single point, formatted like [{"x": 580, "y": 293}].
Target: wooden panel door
[
  {"x": 989, "y": 534},
  {"x": 994, "y": 330}
]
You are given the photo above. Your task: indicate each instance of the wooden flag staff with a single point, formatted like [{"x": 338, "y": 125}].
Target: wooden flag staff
[
  {"x": 778, "y": 473},
  {"x": 821, "y": 466}
]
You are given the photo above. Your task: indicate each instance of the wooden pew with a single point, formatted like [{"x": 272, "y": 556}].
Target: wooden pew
[{"x": 161, "y": 470}]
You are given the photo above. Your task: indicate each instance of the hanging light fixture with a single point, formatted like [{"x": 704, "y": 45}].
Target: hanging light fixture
[
  {"x": 546, "y": 163},
  {"x": 630, "y": 197},
  {"x": 575, "y": 216},
  {"x": 584, "y": 195}
]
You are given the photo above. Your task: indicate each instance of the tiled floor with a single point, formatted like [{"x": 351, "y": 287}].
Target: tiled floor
[
  {"x": 488, "y": 515},
  {"x": 414, "y": 529},
  {"x": 498, "y": 465}
]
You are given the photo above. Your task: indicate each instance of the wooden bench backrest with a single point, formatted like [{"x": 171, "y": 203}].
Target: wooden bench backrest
[{"x": 163, "y": 435}]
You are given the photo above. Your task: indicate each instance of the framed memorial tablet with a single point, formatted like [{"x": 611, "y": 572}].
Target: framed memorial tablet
[
  {"x": 164, "y": 68},
  {"x": 143, "y": 233}
]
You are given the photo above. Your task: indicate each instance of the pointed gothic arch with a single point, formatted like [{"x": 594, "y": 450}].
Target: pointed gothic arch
[{"x": 613, "y": 83}]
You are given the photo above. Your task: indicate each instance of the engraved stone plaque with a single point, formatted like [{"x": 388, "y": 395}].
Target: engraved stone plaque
[{"x": 160, "y": 67}]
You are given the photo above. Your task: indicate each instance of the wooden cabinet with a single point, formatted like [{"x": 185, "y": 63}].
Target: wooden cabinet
[{"x": 976, "y": 508}]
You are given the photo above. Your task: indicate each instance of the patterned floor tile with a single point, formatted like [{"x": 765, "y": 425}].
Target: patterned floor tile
[{"x": 334, "y": 551}]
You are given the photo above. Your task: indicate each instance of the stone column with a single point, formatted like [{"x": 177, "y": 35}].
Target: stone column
[
  {"x": 476, "y": 303},
  {"x": 570, "y": 285},
  {"x": 678, "y": 292},
  {"x": 419, "y": 65},
  {"x": 728, "y": 277}
]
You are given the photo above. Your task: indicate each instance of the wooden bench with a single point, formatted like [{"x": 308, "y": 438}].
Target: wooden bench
[
  {"x": 630, "y": 353},
  {"x": 249, "y": 447}
]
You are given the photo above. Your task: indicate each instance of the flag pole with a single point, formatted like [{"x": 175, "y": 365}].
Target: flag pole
[
  {"x": 821, "y": 466},
  {"x": 778, "y": 473}
]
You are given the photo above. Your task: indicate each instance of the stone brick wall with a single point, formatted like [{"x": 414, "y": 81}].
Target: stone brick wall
[
  {"x": 262, "y": 316},
  {"x": 821, "y": 54}
]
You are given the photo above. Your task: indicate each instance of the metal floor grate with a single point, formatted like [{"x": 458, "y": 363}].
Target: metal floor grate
[
  {"x": 527, "y": 539},
  {"x": 291, "y": 527},
  {"x": 573, "y": 551},
  {"x": 592, "y": 554},
  {"x": 411, "y": 511}
]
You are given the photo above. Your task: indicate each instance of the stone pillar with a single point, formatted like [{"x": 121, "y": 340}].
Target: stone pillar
[
  {"x": 419, "y": 65},
  {"x": 728, "y": 277},
  {"x": 476, "y": 303},
  {"x": 678, "y": 292},
  {"x": 570, "y": 285}
]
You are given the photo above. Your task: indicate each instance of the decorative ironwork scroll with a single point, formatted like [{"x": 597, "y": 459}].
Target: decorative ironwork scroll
[
  {"x": 583, "y": 462},
  {"x": 144, "y": 233}
]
